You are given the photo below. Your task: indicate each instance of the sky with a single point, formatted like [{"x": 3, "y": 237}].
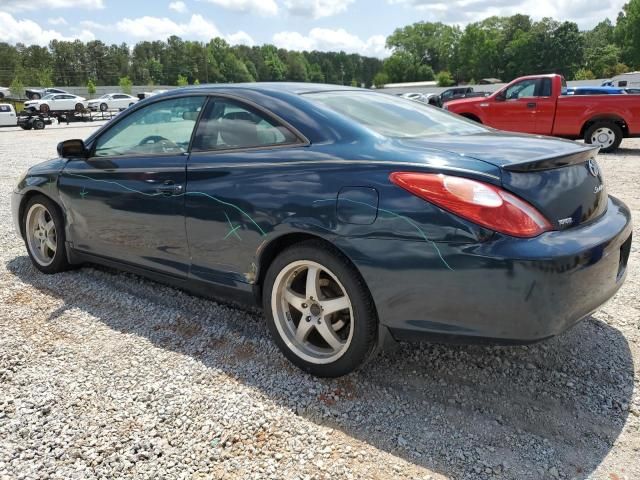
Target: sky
[{"x": 355, "y": 26}]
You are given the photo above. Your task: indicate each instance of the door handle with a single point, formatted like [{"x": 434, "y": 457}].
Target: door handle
[
  {"x": 531, "y": 105},
  {"x": 169, "y": 188}
]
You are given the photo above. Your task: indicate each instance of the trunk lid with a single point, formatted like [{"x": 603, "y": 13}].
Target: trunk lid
[{"x": 560, "y": 178}]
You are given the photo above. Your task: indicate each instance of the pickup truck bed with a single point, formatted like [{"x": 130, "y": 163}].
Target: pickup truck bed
[{"x": 536, "y": 104}]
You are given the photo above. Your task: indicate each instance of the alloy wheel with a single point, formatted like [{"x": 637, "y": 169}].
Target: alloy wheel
[
  {"x": 312, "y": 311},
  {"x": 40, "y": 231}
]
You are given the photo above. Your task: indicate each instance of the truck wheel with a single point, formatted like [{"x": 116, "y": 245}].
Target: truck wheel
[
  {"x": 38, "y": 124},
  {"x": 606, "y": 135},
  {"x": 103, "y": 107},
  {"x": 79, "y": 107},
  {"x": 44, "y": 108}
]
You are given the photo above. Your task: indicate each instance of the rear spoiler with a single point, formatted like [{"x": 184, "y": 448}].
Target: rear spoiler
[{"x": 550, "y": 162}]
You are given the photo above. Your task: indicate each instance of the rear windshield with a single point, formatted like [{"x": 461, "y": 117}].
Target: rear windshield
[{"x": 393, "y": 116}]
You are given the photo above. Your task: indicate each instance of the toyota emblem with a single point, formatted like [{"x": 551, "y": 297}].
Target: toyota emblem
[{"x": 593, "y": 167}]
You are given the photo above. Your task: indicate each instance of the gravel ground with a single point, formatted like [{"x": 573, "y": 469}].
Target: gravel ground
[{"x": 107, "y": 375}]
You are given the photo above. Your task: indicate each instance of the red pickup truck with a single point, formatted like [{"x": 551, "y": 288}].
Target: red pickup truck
[{"x": 537, "y": 104}]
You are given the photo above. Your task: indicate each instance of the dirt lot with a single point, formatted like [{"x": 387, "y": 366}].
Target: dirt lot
[{"x": 107, "y": 375}]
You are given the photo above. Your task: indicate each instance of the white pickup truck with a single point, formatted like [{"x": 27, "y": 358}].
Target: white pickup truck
[{"x": 8, "y": 116}]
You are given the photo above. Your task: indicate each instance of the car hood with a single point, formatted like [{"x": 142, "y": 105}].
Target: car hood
[
  {"x": 499, "y": 148},
  {"x": 466, "y": 101}
]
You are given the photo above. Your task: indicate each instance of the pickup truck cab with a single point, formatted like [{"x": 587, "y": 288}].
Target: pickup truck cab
[
  {"x": 538, "y": 104},
  {"x": 7, "y": 115}
]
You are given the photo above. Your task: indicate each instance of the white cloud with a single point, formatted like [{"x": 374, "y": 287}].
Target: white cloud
[
  {"x": 179, "y": 7},
  {"x": 466, "y": 11},
  {"x": 156, "y": 28},
  {"x": 261, "y": 7},
  {"x": 13, "y": 30},
  {"x": 90, "y": 24},
  {"x": 240, "y": 38},
  {"x": 57, "y": 21},
  {"x": 332, "y": 40},
  {"x": 316, "y": 8},
  {"x": 20, "y": 5}
]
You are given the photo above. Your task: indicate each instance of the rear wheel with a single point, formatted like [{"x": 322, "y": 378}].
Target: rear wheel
[
  {"x": 103, "y": 107},
  {"x": 38, "y": 124},
  {"x": 319, "y": 311},
  {"x": 79, "y": 107},
  {"x": 43, "y": 228},
  {"x": 35, "y": 96},
  {"x": 606, "y": 135}
]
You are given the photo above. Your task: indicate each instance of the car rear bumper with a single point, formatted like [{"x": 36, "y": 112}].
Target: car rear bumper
[{"x": 506, "y": 289}]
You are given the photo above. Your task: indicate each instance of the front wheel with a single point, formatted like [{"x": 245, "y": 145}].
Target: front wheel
[
  {"x": 38, "y": 125},
  {"x": 319, "y": 311},
  {"x": 103, "y": 107},
  {"x": 606, "y": 135},
  {"x": 43, "y": 229}
]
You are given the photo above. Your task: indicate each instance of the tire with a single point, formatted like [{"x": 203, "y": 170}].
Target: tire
[
  {"x": 351, "y": 329},
  {"x": 38, "y": 124},
  {"x": 44, "y": 258},
  {"x": 44, "y": 108},
  {"x": 35, "y": 96},
  {"x": 25, "y": 127},
  {"x": 103, "y": 107},
  {"x": 607, "y": 135},
  {"x": 79, "y": 107}
]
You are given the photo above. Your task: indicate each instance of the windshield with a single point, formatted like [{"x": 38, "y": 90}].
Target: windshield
[
  {"x": 48, "y": 97},
  {"x": 394, "y": 116},
  {"x": 106, "y": 95}
]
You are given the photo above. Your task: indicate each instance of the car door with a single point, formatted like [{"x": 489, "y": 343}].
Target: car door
[
  {"x": 126, "y": 201},
  {"x": 227, "y": 209},
  {"x": 513, "y": 109},
  {"x": 545, "y": 107},
  {"x": 57, "y": 102},
  {"x": 120, "y": 101}
]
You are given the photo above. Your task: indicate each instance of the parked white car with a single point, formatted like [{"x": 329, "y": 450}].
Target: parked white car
[
  {"x": 4, "y": 92},
  {"x": 59, "y": 102},
  {"x": 8, "y": 116},
  {"x": 111, "y": 101}
]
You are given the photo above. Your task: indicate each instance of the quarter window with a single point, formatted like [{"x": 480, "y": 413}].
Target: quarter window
[
  {"x": 161, "y": 128},
  {"x": 227, "y": 124}
]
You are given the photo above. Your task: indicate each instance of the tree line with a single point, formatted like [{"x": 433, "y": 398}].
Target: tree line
[
  {"x": 496, "y": 47},
  {"x": 509, "y": 47},
  {"x": 176, "y": 61}
]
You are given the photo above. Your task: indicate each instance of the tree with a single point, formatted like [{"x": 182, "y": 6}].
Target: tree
[
  {"x": 125, "y": 85},
  {"x": 445, "y": 79},
  {"x": 380, "y": 80},
  {"x": 182, "y": 81},
  {"x": 17, "y": 88},
  {"x": 584, "y": 74},
  {"x": 91, "y": 88}
]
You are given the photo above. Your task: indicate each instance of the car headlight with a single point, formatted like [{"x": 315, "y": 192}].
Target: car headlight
[{"x": 21, "y": 178}]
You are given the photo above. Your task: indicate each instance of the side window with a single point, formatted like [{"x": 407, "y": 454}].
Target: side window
[
  {"x": 4, "y": 108},
  {"x": 227, "y": 124},
  {"x": 525, "y": 88},
  {"x": 119, "y": 97},
  {"x": 545, "y": 88},
  {"x": 160, "y": 128},
  {"x": 622, "y": 83}
]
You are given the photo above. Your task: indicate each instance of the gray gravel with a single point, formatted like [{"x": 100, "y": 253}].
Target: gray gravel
[{"x": 107, "y": 375}]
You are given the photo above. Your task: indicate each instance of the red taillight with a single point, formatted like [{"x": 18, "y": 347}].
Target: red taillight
[{"x": 481, "y": 203}]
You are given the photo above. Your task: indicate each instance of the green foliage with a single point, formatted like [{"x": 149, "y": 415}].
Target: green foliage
[
  {"x": 381, "y": 79},
  {"x": 196, "y": 82},
  {"x": 182, "y": 81},
  {"x": 17, "y": 88},
  {"x": 445, "y": 79},
  {"x": 125, "y": 85},
  {"x": 584, "y": 74},
  {"x": 91, "y": 87}
]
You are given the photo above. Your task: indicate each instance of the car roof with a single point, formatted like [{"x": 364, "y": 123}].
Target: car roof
[{"x": 297, "y": 88}]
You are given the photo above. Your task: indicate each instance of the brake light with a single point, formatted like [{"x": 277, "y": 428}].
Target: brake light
[{"x": 481, "y": 203}]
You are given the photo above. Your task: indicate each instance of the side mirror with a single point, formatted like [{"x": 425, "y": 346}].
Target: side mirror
[{"x": 72, "y": 148}]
